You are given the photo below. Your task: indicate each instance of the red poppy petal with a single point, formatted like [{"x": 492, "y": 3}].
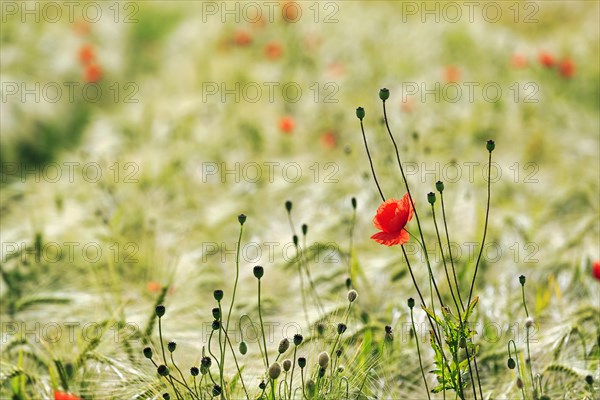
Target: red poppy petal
[
  {"x": 391, "y": 238},
  {"x": 385, "y": 215}
]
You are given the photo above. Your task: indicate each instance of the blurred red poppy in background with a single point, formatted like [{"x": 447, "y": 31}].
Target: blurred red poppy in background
[
  {"x": 273, "y": 50},
  {"x": 546, "y": 59},
  {"x": 391, "y": 218},
  {"x": 452, "y": 74},
  {"x": 567, "y": 68},
  {"x": 596, "y": 270},
  {"x": 328, "y": 140},
  {"x": 93, "y": 73},
  {"x": 286, "y": 125},
  {"x": 242, "y": 38},
  {"x": 519, "y": 60},
  {"x": 86, "y": 54},
  {"x": 64, "y": 396}
]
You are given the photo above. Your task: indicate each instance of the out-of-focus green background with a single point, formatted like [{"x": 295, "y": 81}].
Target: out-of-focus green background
[{"x": 135, "y": 132}]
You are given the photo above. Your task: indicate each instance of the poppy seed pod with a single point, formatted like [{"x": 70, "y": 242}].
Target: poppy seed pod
[
  {"x": 216, "y": 312},
  {"x": 288, "y": 206},
  {"x": 323, "y": 359},
  {"x": 321, "y": 372},
  {"x": 352, "y": 295},
  {"x": 171, "y": 346},
  {"x": 522, "y": 280},
  {"x": 287, "y": 365},
  {"x": 519, "y": 383},
  {"x": 218, "y": 295},
  {"x": 258, "y": 271},
  {"x": 439, "y": 186},
  {"x": 262, "y": 385},
  {"x": 216, "y": 325},
  {"x": 384, "y": 94},
  {"x": 353, "y": 201},
  {"x": 320, "y": 329},
  {"x": 341, "y": 328},
  {"x": 194, "y": 371},
  {"x": 147, "y": 352},
  {"x": 511, "y": 363},
  {"x": 348, "y": 283},
  {"x": 431, "y": 198},
  {"x": 166, "y": 396},
  {"x": 241, "y": 219},
  {"x": 338, "y": 352},
  {"x": 284, "y": 345},
  {"x": 490, "y": 145},
  {"x": 160, "y": 310},
  {"x": 411, "y": 302},
  {"x": 274, "y": 370},
  {"x": 295, "y": 240},
  {"x": 243, "y": 348},
  {"x": 360, "y": 113},
  {"x": 589, "y": 379},
  {"x": 298, "y": 339},
  {"x": 304, "y": 229},
  {"x": 163, "y": 370},
  {"x": 205, "y": 362},
  {"x": 301, "y": 362}
]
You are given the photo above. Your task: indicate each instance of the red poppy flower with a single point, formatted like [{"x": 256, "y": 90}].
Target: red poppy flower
[
  {"x": 273, "y": 50},
  {"x": 567, "y": 68},
  {"x": 153, "y": 287},
  {"x": 286, "y": 125},
  {"x": 93, "y": 73},
  {"x": 329, "y": 140},
  {"x": 596, "y": 270},
  {"x": 242, "y": 38},
  {"x": 519, "y": 60},
  {"x": 64, "y": 396},
  {"x": 451, "y": 74},
  {"x": 392, "y": 216},
  {"x": 546, "y": 59},
  {"x": 86, "y": 54}
]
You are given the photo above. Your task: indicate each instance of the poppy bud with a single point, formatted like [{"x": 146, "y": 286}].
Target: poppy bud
[
  {"x": 384, "y": 94},
  {"x": 288, "y": 206},
  {"x": 241, "y": 219},
  {"x": 411, "y": 302},
  {"x": 258, "y": 271},
  {"x": 511, "y": 363},
  {"x": 353, "y": 203},
  {"x": 431, "y": 198},
  {"x": 216, "y": 325},
  {"x": 388, "y": 333},
  {"x": 320, "y": 329},
  {"x": 171, "y": 346},
  {"x": 311, "y": 387},
  {"x": 218, "y": 295},
  {"x": 274, "y": 370},
  {"x": 490, "y": 145},
  {"x": 287, "y": 365},
  {"x": 163, "y": 370},
  {"x": 298, "y": 339},
  {"x": 462, "y": 343},
  {"x": 166, "y": 396},
  {"x": 284, "y": 345},
  {"x": 216, "y": 390},
  {"x": 304, "y": 229},
  {"x": 160, "y": 310},
  {"x": 338, "y": 353},
  {"x": 519, "y": 383},
  {"x": 243, "y": 348},
  {"x": 194, "y": 371},
  {"x": 348, "y": 283},
  {"x": 360, "y": 113},
  {"x": 528, "y": 322},
  {"x": 341, "y": 369},
  {"x": 147, "y": 352},
  {"x": 439, "y": 185},
  {"x": 589, "y": 380},
  {"x": 323, "y": 359},
  {"x": 522, "y": 280},
  {"x": 302, "y": 362},
  {"x": 216, "y": 312},
  {"x": 321, "y": 372},
  {"x": 205, "y": 362},
  {"x": 262, "y": 385},
  {"x": 341, "y": 328},
  {"x": 295, "y": 240},
  {"x": 352, "y": 295}
]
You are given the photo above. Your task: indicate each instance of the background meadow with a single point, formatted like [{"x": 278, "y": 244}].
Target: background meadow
[{"x": 135, "y": 133}]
